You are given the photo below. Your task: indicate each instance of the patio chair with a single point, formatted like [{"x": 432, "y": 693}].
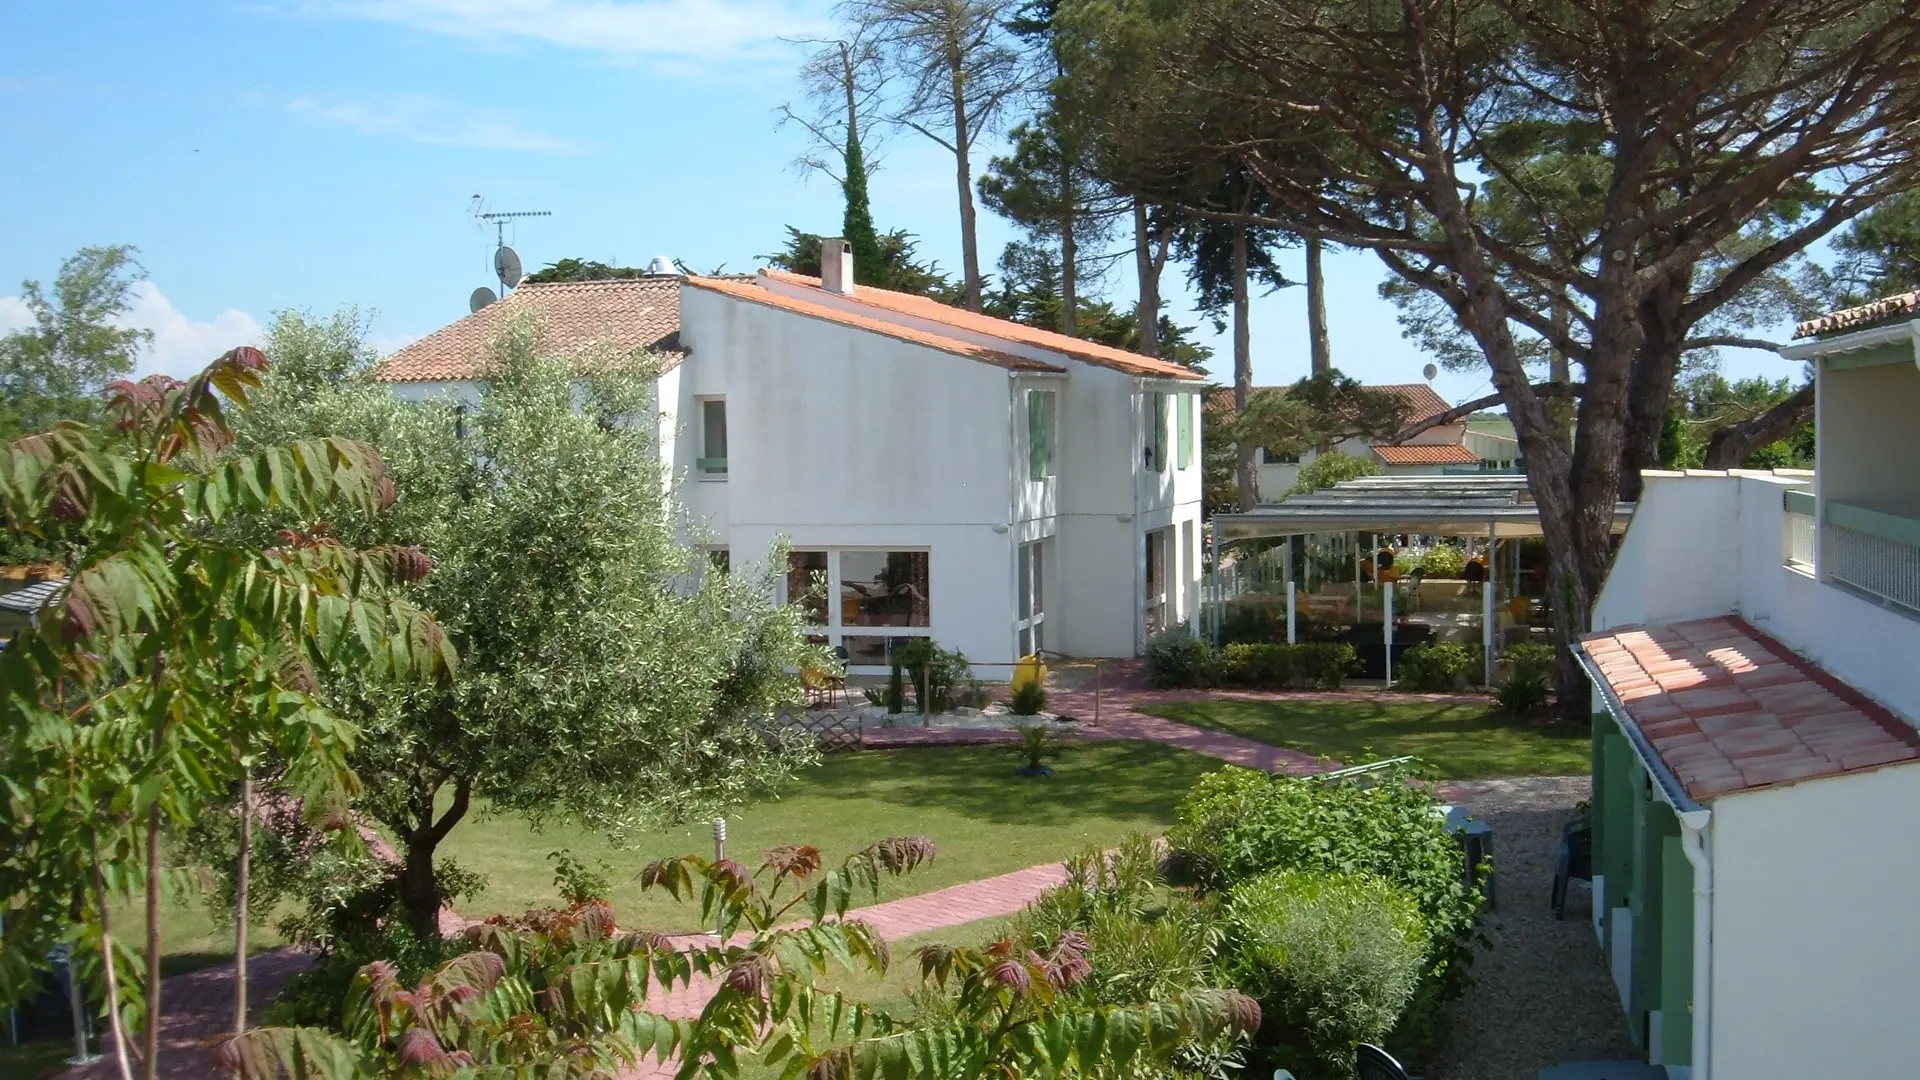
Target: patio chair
[
  {"x": 1573, "y": 862},
  {"x": 1376, "y": 1064}
]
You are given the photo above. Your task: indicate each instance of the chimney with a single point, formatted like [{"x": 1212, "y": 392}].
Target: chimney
[{"x": 836, "y": 266}]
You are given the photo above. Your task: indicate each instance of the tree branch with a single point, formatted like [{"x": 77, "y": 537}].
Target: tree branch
[
  {"x": 1462, "y": 411},
  {"x": 1731, "y": 445}
]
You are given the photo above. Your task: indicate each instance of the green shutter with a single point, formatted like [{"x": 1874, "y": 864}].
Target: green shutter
[
  {"x": 1160, "y": 432},
  {"x": 1039, "y": 434},
  {"x": 1184, "y": 403}
]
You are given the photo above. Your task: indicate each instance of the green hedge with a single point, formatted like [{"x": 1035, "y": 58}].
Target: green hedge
[
  {"x": 1438, "y": 666},
  {"x": 1178, "y": 660},
  {"x": 1237, "y": 825}
]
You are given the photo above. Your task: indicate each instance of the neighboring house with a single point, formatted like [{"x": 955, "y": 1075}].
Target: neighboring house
[
  {"x": 1445, "y": 448},
  {"x": 999, "y": 488},
  {"x": 1754, "y": 801}
]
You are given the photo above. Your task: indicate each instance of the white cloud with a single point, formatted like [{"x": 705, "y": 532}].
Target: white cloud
[
  {"x": 429, "y": 120},
  {"x": 181, "y": 346},
  {"x": 704, "y": 29},
  {"x": 14, "y": 314}
]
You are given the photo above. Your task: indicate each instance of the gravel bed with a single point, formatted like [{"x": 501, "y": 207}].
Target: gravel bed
[{"x": 1542, "y": 995}]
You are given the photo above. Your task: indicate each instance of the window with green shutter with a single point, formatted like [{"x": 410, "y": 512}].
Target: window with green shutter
[
  {"x": 1157, "y": 441},
  {"x": 1039, "y": 434},
  {"x": 1184, "y": 403}
]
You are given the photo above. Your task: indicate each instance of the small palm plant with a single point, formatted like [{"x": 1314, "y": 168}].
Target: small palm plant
[{"x": 1038, "y": 742}]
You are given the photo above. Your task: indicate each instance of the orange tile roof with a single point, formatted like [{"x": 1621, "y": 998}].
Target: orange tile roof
[
  {"x": 1729, "y": 709},
  {"x": 574, "y": 316},
  {"x": 1091, "y": 352},
  {"x": 1421, "y": 400},
  {"x": 1442, "y": 454},
  {"x": 746, "y": 290},
  {"x": 1857, "y": 318}
]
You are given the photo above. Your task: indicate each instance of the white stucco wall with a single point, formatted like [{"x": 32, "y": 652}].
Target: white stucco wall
[
  {"x": 1814, "y": 940},
  {"x": 1705, "y": 544},
  {"x": 1863, "y": 413}
]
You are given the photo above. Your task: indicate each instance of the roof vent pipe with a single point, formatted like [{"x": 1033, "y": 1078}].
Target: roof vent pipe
[{"x": 836, "y": 266}]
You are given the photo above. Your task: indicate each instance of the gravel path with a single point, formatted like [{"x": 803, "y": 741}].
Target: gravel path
[{"x": 1542, "y": 995}]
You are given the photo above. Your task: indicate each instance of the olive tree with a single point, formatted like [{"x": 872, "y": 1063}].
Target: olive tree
[{"x": 609, "y": 675}]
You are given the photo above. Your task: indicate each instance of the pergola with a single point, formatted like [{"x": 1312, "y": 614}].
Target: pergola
[{"x": 1496, "y": 507}]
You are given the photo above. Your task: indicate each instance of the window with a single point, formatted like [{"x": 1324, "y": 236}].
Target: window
[
  {"x": 1156, "y": 452},
  {"x": 1157, "y": 579},
  {"x": 720, "y": 559},
  {"x": 807, "y": 584},
  {"x": 713, "y": 438},
  {"x": 1040, "y": 411},
  {"x": 1032, "y": 600},
  {"x": 880, "y": 599},
  {"x": 1275, "y": 457},
  {"x": 1189, "y": 572},
  {"x": 1183, "y": 423}
]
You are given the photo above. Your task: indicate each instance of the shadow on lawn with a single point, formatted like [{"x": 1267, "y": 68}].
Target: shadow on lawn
[
  {"x": 1459, "y": 740},
  {"x": 1119, "y": 780}
]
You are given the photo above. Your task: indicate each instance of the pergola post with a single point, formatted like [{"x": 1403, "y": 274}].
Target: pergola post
[
  {"x": 1386, "y": 621},
  {"x": 1293, "y": 634},
  {"x": 1487, "y": 622}
]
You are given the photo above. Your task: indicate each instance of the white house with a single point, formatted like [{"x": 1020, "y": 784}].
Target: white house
[
  {"x": 1458, "y": 447},
  {"x": 999, "y": 488},
  {"x": 1755, "y": 805}
]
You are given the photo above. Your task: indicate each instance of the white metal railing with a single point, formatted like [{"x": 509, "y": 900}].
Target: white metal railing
[
  {"x": 1797, "y": 544},
  {"x": 1876, "y": 565}
]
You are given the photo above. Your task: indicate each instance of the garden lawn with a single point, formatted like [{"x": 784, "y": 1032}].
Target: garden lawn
[
  {"x": 1456, "y": 740},
  {"x": 983, "y": 820}
]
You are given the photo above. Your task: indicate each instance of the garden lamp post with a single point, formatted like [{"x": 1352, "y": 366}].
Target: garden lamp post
[{"x": 719, "y": 856}]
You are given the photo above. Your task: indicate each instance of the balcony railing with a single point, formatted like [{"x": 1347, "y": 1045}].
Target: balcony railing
[
  {"x": 1796, "y": 541},
  {"x": 1872, "y": 552}
]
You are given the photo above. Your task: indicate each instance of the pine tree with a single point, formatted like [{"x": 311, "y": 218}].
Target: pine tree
[{"x": 869, "y": 266}]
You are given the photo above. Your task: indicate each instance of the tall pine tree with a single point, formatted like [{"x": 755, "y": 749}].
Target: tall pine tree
[{"x": 869, "y": 266}]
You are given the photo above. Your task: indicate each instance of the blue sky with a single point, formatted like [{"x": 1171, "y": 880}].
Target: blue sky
[{"x": 312, "y": 154}]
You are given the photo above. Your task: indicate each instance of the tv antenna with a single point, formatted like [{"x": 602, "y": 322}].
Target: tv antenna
[{"x": 506, "y": 261}]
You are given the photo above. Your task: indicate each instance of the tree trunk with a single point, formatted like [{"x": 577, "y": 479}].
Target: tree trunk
[
  {"x": 1650, "y": 385},
  {"x": 242, "y": 868},
  {"x": 1729, "y": 447},
  {"x": 963, "y": 176},
  {"x": 1069, "y": 257},
  {"x": 1319, "y": 346},
  {"x": 1148, "y": 272},
  {"x": 112, "y": 978},
  {"x": 419, "y": 890},
  {"x": 1244, "y": 473},
  {"x": 150, "y": 1067}
]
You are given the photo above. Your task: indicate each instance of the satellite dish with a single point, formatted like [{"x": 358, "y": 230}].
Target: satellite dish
[
  {"x": 1430, "y": 371},
  {"x": 506, "y": 263},
  {"x": 662, "y": 265},
  {"x": 481, "y": 297}
]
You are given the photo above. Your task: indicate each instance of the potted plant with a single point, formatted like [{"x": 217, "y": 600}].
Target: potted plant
[{"x": 1038, "y": 743}]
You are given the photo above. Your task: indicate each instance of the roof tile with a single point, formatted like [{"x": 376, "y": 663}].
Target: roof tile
[
  {"x": 1859, "y": 318},
  {"x": 1757, "y": 714},
  {"x": 575, "y": 317},
  {"x": 1441, "y": 454},
  {"x": 747, "y": 290},
  {"x": 922, "y": 307}
]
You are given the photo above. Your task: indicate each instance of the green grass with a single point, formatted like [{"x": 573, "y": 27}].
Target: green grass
[
  {"x": 1458, "y": 741},
  {"x": 982, "y": 818}
]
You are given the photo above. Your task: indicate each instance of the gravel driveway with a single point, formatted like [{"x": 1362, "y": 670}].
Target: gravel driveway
[{"x": 1542, "y": 995}]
